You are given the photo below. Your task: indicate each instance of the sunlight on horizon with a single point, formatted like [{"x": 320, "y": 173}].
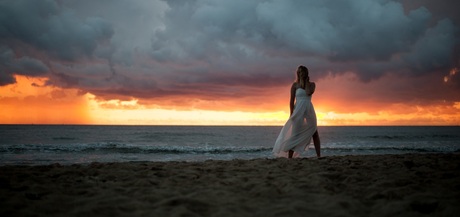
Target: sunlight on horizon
[
  {"x": 30, "y": 101},
  {"x": 135, "y": 114}
]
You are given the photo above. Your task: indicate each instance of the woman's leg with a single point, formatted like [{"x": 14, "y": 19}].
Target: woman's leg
[
  {"x": 317, "y": 143},
  {"x": 291, "y": 152}
]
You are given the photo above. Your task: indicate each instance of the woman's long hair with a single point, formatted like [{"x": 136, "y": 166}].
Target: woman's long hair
[{"x": 302, "y": 76}]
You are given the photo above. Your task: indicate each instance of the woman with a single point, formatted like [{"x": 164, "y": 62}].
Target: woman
[{"x": 301, "y": 126}]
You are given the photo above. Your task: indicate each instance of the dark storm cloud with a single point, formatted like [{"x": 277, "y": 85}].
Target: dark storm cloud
[
  {"x": 160, "y": 48},
  {"x": 434, "y": 50},
  {"x": 24, "y": 66},
  {"x": 48, "y": 26},
  {"x": 370, "y": 38},
  {"x": 51, "y": 29}
]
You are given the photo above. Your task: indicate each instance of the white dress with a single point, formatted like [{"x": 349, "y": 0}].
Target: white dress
[{"x": 297, "y": 132}]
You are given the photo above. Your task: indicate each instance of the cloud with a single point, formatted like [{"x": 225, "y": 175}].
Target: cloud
[
  {"x": 45, "y": 30},
  {"x": 434, "y": 50},
  {"x": 53, "y": 28},
  {"x": 219, "y": 49},
  {"x": 23, "y": 66},
  {"x": 371, "y": 37}
]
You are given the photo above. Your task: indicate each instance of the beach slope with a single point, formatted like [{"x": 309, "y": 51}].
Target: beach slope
[{"x": 372, "y": 185}]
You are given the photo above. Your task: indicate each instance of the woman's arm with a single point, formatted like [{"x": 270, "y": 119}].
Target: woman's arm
[
  {"x": 311, "y": 88},
  {"x": 291, "y": 101}
]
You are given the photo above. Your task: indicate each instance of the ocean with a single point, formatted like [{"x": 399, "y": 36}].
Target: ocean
[{"x": 82, "y": 144}]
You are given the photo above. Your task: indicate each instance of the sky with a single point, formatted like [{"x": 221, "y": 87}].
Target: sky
[{"x": 219, "y": 62}]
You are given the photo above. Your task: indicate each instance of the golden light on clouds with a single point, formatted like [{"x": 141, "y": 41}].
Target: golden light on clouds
[
  {"x": 30, "y": 101},
  {"x": 457, "y": 105},
  {"x": 451, "y": 74},
  {"x": 131, "y": 113}
]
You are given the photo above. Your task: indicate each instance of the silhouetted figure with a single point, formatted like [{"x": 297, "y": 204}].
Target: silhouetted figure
[{"x": 301, "y": 126}]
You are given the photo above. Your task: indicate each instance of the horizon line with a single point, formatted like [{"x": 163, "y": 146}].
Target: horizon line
[{"x": 219, "y": 125}]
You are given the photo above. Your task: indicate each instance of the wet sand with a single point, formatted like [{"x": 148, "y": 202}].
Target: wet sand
[{"x": 382, "y": 185}]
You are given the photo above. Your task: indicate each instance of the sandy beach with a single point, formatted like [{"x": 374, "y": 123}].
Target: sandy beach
[{"x": 382, "y": 185}]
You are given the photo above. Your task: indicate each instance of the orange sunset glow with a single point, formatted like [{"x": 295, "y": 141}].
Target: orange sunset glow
[
  {"x": 392, "y": 62},
  {"x": 29, "y": 102}
]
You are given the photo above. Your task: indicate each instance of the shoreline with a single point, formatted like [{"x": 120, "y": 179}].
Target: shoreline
[{"x": 353, "y": 185}]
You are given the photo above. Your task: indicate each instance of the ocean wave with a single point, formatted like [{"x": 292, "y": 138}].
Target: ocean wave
[
  {"x": 64, "y": 138},
  {"x": 108, "y": 148},
  {"x": 125, "y": 148},
  {"x": 393, "y": 149},
  {"x": 412, "y": 137}
]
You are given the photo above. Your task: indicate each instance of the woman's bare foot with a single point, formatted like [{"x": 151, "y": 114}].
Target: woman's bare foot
[{"x": 291, "y": 152}]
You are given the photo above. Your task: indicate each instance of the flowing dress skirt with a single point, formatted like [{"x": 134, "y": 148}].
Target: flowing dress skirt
[{"x": 297, "y": 132}]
